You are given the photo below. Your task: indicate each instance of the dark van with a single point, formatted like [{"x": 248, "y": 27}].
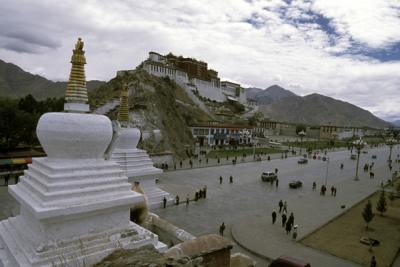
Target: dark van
[{"x": 286, "y": 261}]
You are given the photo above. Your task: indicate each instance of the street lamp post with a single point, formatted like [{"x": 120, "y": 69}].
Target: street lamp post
[
  {"x": 327, "y": 168},
  {"x": 358, "y": 144},
  {"x": 301, "y": 134},
  {"x": 390, "y": 142}
]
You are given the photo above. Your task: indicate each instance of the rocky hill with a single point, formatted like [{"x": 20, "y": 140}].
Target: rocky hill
[
  {"x": 15, "y": 82},
  {"x": 155, "y": 104},
  {"x": 268, "y": 95},
  {"x": 316, "y": 109}
]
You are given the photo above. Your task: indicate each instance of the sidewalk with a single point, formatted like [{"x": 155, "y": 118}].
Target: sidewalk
[{"x": 270, "y": 241}]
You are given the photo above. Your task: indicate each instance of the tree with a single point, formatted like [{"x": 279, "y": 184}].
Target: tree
[
  {"x": 381, "y": 205},
  {"x": 256, "y": 118},
  {"x": 367, "y": 213},
  {"x": 300, "y": 127}
]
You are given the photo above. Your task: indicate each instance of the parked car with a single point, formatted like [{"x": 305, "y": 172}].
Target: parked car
[
  {"x": 302, "y": 161},
  {"x": 353, "y": 156},
  {"x": 268, "y": 176},
  {"x": 374, "y": 156},
  {"x": 365, "y": 151},
  {"x": 286, "y": 261},
  {"x": 295, "y": 184}
]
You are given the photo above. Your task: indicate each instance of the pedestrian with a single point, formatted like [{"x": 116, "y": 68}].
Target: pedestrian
[
  {"x": 177, "y": 200},
  {"x": 288, "y": 227},
  {"x": 222, "y": 229},
  {"x": 390, "y": 167},
  {"x": 201, "y": 193},
  {"x": 174, "y": 165},
  {"x": 269, "y": 158},
  {"x": 276, "y": 182},
  {"x": 206, "y": 160},
  {"x": 373, "y": 262},
  {"x": 164, "y": 202},
  {"x": 284, "y": 206},
  {"x": 273, "y": 217},
  {"x": 187, "y": 200},
  {"x": 220, "y": 180},
  {"x": 180, "y": 164},
  {"x": 230, "y": 179},
  {"x": 280, "y": 204},
  {"x": 276, "y": 171},
  {"x": 284, "y": 219},
  {"x": 196, "y": 196},
  {"x": 191, "y": 163},
  {"x": 218, "y": 161},
  {"x": 334, "y": 191},
  {"x": 291, "y": 219},
  {"x": 166, "y": 166},
  {"x": 6, "y": 178},
  {"x": 294, "y": 236},
  {"x": 341, "y": 166},
  {"x": 205, "y": 191}
]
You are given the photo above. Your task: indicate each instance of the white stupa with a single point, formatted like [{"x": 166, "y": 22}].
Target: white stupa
[
  {"x": 74, "y": 204},
  {"x": 135, "y": 162}
]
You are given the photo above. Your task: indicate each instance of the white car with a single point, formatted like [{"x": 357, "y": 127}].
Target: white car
[{"x": 268, "y": 176}]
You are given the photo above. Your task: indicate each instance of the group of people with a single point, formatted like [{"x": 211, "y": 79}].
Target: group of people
[
  {"x": 287, "y": 222},
  {"x": 230, "y": 179},
  {"x": 7, "y": 178},
  {"x": 201, "y": 193}
]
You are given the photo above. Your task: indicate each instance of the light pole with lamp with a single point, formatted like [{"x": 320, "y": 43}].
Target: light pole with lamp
[
  {"x": 358, "y": 144},
  {"x": 301, "y": 134},
  {"x": 390, "y": 142},
  {"x": 327, "y": 168}
]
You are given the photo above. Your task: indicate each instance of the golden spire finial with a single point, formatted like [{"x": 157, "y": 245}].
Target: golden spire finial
[
  {"x": 123, "y": 112},
  {"x": 76, "y": 98}
]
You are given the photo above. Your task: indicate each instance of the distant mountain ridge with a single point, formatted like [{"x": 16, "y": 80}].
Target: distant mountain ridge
[
  {"x": 268, "y": 95},
  {"x": 316, "y": 109},
  {"x": 15, "y": 82}
]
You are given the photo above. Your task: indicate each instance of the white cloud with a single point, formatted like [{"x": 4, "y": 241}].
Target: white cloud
[{"x": 275, "y": 49}]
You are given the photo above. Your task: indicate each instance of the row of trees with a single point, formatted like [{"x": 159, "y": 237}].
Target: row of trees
[
  {"x": 381, "y": 206},
  {"x": 19, "y": 118}
]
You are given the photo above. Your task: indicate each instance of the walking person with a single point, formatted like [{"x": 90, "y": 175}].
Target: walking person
[
  {"x": 284, "y": 206},
  {"x": 291, "y": 219},
  {"x": 164, "y": 202},
  {"x": 6, "y": 178},
  {"x": 222, "y": 229},
  {"x": 177, "y": 200},
  {"x": 294, "y": 236},
  {"x": 288, "y": 227},
  {"x": 220, "y": 180},
  {"x": 334, "y": 191},
  {"x": 276, "y": 182},
  {"x": 284, "y": 219},
  {"x": 276, "y": 171},
  {"x": 205, "y": 191},
  {"x": 230, "y": 179},
  {"x": 373, "y": 262},
  {"x": 314, "y": 186},
  {"x": 280, "y": 205},
  {"x": 273, "y": 217},
  {"x": 187, "y": 201}
]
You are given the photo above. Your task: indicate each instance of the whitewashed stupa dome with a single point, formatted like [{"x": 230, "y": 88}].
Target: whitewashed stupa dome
[
  {"x": 74, "y": 136},
  {"x": 128, "y": 138}
]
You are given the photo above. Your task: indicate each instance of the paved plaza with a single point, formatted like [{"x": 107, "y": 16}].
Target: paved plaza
[{"x": 246, "y": 204}]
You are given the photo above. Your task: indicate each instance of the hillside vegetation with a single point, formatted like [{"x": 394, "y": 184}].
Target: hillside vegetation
[{"x": 155, "y": 103}]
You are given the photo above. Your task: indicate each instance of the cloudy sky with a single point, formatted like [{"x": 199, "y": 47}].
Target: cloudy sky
[{"x": 346, "y": 49}]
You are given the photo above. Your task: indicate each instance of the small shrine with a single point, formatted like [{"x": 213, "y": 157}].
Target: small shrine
[{"x": 74, "y": 204}]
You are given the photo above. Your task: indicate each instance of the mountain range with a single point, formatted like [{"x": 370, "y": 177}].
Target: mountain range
[
  {"x": 269, "y": 95},
  {"x": 274, "y": 102},
  {"x": 15, "y": 82},
  {"x": 277, "y": 103}
]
